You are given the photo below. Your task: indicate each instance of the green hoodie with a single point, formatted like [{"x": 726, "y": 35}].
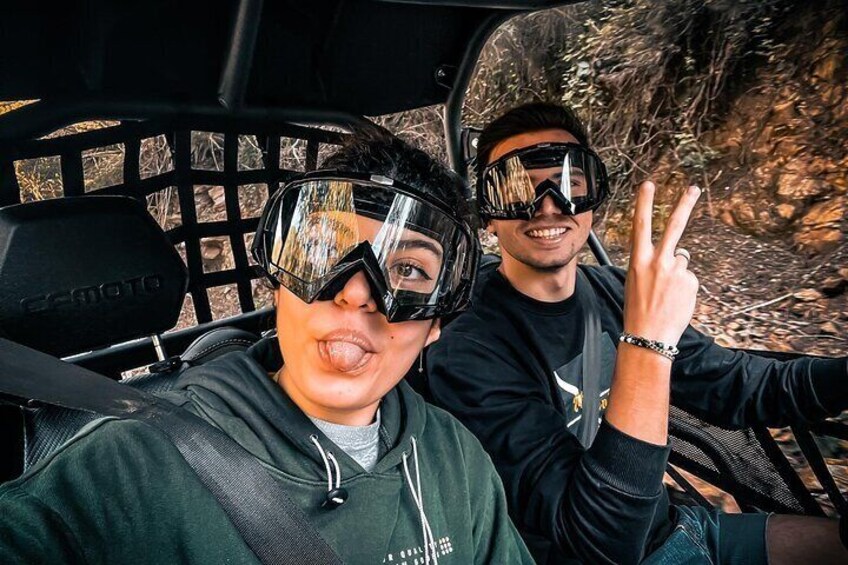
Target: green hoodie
[{"x": 120, "y": 492}]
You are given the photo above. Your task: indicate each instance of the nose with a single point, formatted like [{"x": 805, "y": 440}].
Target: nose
[
  {"x": 356, "y": 294},
  {"x": 548, "y": 207}
]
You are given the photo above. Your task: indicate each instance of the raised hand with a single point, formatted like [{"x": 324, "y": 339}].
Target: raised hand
[{"x": 660, "y": 291}]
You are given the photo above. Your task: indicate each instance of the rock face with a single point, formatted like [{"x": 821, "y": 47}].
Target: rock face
[
  {"x": 793, "y": 187},
  {"x": 821, "y": 226},
  {"x": 786, "y": 144}
]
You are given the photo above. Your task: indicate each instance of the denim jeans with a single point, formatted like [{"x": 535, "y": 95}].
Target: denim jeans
[{"x": 710, "y": 537}]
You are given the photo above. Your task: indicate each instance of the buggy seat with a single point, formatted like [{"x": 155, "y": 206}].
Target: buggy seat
[{"x": 83, "y": 273}]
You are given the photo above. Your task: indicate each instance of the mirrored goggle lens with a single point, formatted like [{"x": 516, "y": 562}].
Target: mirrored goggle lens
[
  {"x": 514, "y": 182},
  {"x": 318, "y": 223}
]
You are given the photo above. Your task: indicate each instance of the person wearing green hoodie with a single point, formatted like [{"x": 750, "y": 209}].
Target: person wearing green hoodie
[{"x": 366, "y": 255}]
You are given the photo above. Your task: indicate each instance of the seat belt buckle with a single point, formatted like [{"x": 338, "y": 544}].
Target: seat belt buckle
[{"x": 166, "y": 365}]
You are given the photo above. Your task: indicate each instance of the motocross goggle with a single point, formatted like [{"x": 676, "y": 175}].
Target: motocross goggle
[
  {"x": 513, "y": 186},
  {"x": 319, "y": 230}
]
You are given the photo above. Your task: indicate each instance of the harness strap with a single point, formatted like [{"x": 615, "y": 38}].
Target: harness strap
[
  {"x": 592, "y": 339},
  {"x": 271, "y": 524}
]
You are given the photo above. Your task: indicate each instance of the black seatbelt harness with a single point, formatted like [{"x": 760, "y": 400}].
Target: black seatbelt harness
[
  {"x": 592, "y": 336},
  {"x": 271, "y": 524}
]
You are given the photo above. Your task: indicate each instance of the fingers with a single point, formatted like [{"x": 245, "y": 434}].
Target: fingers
[
  {"x": 641, "y": 232},
  {"x": 689, "y": 282},
  {"x": 678, "y": 220},
  {"x": 681, "y": 263},
  {"x": 692, "y": 284}
]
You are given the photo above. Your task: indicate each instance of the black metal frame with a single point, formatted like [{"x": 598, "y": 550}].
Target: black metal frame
[
  {"x": 787, "y": 495},
  {"x": 236, "y": 71},
  {"x": 456, "y": 98},
  {"x": 122, "y": 357},
  {"x": 44, "y": 117}
]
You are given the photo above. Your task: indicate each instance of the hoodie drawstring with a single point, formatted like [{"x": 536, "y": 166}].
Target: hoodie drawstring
[
  {"x": 335, "y": 496},
  {"x": 332, "y": 458},
  {"x": 418, "y": 497}
]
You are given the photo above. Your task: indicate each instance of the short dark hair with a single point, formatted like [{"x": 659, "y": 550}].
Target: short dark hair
[
  {"x": 536, "y": 116},
  {"x": 375, "y": 150}
]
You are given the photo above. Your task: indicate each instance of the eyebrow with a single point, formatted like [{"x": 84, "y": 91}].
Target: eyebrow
[{"x": 420, "y": 244}]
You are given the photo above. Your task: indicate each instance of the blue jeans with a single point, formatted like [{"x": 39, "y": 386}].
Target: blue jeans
[{"x": 710, "y": 537}]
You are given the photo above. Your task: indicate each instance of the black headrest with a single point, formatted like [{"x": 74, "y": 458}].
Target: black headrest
[{"x": 85, "y": 272}]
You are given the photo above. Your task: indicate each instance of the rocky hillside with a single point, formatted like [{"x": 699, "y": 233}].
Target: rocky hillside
[{"x": 784, "y": 144}]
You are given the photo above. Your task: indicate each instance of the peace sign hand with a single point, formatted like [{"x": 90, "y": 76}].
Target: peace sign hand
[{"x": 660, "y": 291}]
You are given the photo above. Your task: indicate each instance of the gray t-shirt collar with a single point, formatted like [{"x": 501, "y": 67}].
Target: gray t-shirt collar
[{"x": 361, "y": 443}]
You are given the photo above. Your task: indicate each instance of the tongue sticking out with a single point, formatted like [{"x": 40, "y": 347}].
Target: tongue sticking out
[{"x": 345, "y": 356}]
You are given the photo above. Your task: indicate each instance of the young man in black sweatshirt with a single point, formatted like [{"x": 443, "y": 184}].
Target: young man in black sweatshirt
[{"x": 582, "y": 451}]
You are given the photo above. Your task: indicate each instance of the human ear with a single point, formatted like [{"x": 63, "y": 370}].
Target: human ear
[{"x": 434, "y": 333}]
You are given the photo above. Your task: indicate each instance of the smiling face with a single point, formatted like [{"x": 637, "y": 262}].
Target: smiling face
[
  {"x": 550, "y": 240},
  {"x": 342, "y": 355}
]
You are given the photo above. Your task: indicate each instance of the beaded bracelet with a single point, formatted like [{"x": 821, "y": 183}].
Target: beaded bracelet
[{"x": 667, "y": 351}]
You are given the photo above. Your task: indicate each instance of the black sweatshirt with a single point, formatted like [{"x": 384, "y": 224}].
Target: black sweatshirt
[{"x": 509, "y": 369}]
